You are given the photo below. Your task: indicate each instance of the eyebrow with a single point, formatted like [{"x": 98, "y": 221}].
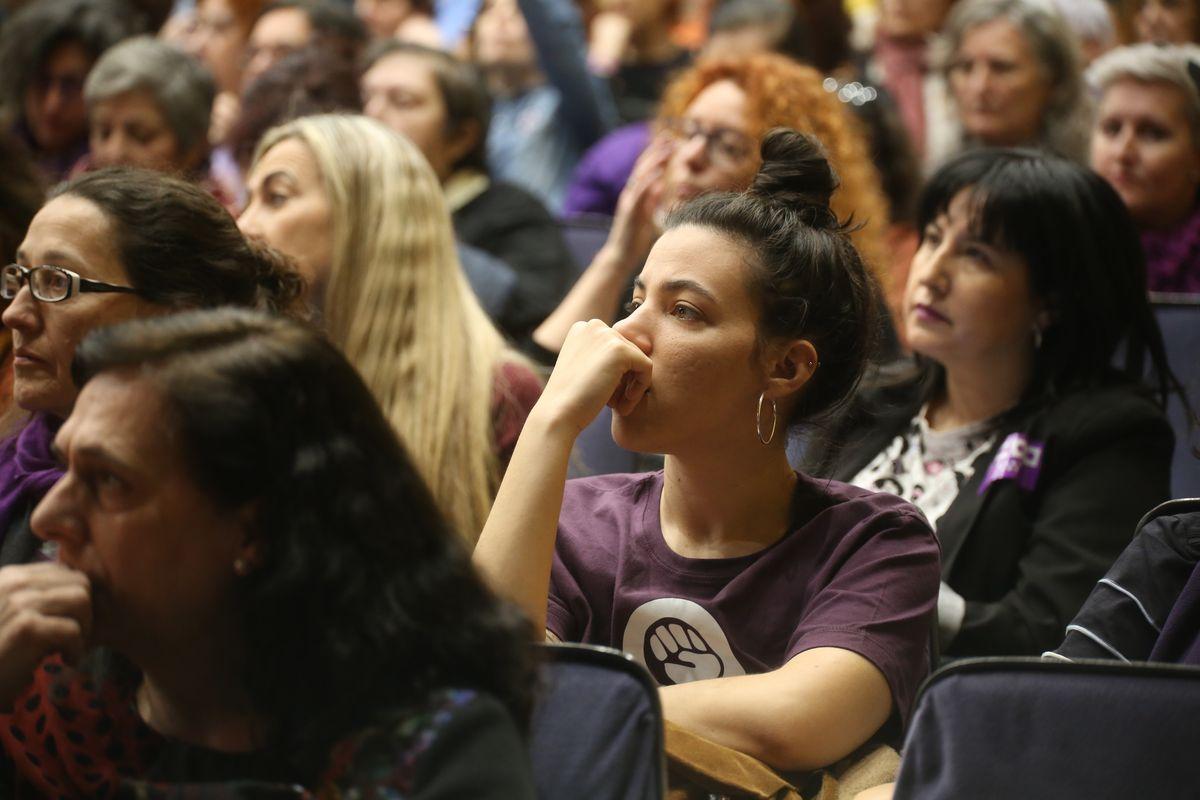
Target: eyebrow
[
  {"x": 679, "y": 285},
  {"x": 96, "y": 452},
  {"x": 279, "y": 174},
  {"x": 51, "y": 257}
]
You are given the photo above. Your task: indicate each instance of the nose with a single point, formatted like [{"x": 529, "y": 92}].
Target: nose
[
  {"x": 22, "y": 313},
  {"x": 637, "y": 329},
  {"x": 931, "y": 270},
  {"x": 112, "y": 150},
  {"x": 373, "y": 105},
  {"x": 248, "y": 222},
  {"x": 694, "y": 152},
  {"x": 57, "y": 518}
]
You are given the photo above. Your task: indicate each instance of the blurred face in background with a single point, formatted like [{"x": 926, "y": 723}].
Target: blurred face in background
[
  {"x": 501, "y": 37},
  {"x": 999, "y": 86},
  {"x": 912, "y": 18},
  {"x": 714, "y": 150},
  {"x": 276, "y": 34},
  {"x": 53, "y": 104},
  {"x": 129, "y": 129},
  {"x": 1144, "y": 145},
  {"x": 400, "y": 91},
  {"x": 218, "y": 41},
  {"x": 383, "y": 17},
  {"x": 1166, "y": 21}
]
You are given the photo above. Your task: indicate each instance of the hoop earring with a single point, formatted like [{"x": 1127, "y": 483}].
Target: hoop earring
[
  {"x": 1037, "y": 338},
  {"x": 758, "y": 420}
]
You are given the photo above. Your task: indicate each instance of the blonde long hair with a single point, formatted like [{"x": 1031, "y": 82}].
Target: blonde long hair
[{"x": 399, "y": 307}]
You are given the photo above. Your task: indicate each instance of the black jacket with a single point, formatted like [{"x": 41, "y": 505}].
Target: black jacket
[
  {"x": 514, "y": 226},
  {"x": 1025, "y": 560}
]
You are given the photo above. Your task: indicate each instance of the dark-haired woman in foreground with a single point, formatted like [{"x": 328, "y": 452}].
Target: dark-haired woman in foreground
[
  {"x": 784, "y": 617},
  {"x": 282, "y": 610},
  {"x": 1031, "y": 453}
]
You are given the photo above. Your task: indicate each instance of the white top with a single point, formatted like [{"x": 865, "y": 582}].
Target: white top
[{"x": 928, "y": 467}]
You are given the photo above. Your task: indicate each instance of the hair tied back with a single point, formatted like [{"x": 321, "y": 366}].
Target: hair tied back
[{"x": 796, "y": 173}]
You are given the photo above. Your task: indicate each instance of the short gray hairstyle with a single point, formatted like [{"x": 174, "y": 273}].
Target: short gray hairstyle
[
  {"x": 1151, "y": 63},
  {"x": 1066, "y": 125},
  {"x": 1089, "y": 19},
  {"x": 181, "y": 87}
]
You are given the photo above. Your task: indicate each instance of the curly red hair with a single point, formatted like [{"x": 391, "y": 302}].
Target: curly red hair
[{"x": 781, "y": 92}]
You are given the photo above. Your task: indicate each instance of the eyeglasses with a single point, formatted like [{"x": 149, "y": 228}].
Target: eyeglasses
[
  {"x": 51, "y": 284},
  {"x": 724, "y": 146}
]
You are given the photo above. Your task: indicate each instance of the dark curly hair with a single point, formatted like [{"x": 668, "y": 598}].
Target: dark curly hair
[
  {"x": 181, "y": 248},
  {"x": 809, "y": 278},
  {"x": 364, "y": 600}
]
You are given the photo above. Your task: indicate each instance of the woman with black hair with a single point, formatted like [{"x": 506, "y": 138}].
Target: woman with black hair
[
  {"x": 784, "y": 617},
  {"x": 1015, "y": 433},
  {"x": 281, "y": 610}
]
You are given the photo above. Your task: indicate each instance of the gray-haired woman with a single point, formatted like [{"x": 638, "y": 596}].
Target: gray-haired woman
[
  {"x": 1013, "y": 68},
  {"x": 149, "y": 106},
  {"x": 1146, "y": 143}
]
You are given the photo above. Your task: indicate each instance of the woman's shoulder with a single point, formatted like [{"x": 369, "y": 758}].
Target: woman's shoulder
[
  {"x": 457, "y": 743},
  {"x": 1111, "y": 408},
  {"x": 854, "y": 506}
]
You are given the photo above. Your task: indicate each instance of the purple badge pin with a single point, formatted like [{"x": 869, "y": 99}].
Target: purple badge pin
[{"x": 1018, "y": 459}]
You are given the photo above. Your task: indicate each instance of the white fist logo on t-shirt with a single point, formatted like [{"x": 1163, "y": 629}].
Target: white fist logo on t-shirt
[{"x": 678, "y": 641}]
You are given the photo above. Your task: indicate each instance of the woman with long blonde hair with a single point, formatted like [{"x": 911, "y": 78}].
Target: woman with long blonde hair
[{"x": 362, "y": 212}]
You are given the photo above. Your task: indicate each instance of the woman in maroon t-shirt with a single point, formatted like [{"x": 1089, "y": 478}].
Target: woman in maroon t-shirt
[{"x": 754, "y": 312}]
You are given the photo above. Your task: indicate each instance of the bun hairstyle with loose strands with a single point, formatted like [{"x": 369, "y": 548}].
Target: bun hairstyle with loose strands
[
  {"x": 808, "y": 277},
  {"x": 781, "y": 93},
  {"x": 400, "y": 308}
]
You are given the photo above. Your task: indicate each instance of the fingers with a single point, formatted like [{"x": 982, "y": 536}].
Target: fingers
[{"x": 31, "y": 592}]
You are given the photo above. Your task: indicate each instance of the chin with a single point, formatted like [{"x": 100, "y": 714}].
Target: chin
[{"x": 635, "y": 435}]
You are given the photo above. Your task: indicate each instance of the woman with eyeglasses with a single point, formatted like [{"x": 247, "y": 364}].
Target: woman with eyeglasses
[
  {"x": 710, "y": 123},
  {"x": 110, "y": 246}
]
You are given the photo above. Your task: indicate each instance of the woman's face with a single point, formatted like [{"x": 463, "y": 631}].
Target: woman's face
[
  {"x": 695, "y": 318},
  {"x": 157, "y": 551},
  {"x": 1144, "y": 146},
  {"x": 400, "y": 91},
  {"x": 53, "y": 104},
  {"x": 714, "y": 150},
  {"x": 289, "y": 209},
  {"x": 129, "y": 129},
  {"x": 998, "y": 85},
  {"x": 73, "y": 233},
  {"x": 501, "y": 37},
  {"x": 912, "y": 18},
  {"x": 967, "y": 301},
  {"x": 219, "y": 41},
  {"x": 1166, "y": 21}
]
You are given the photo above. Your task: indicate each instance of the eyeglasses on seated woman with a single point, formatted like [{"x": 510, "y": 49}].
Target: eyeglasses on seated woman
[
  {"x": 110, "y": 246},
  {"x": 254, "y": 593}
]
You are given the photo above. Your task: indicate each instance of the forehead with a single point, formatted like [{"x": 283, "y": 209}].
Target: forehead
[
  {"x": 716, "y": 261},
  {"x": 67, "y": 58},
  {"x": 1149, "y": 98},
  {"x": 292, "y": 158},
  {"x": 282, "y": 26},
  {"x": 73, "y": 232},
  {"x": 122, "y": 414},
  {"x": 720, "y": 103},
  {"x": 136, "y": 102},
  {"x": 402, "y": 71},
  {"x": 997, "y": 36}
]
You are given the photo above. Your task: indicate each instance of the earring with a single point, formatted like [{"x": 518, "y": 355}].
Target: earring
[
  {"x": 1037, "y": 338},
  {"x": 241, "y": 567},
  {"x": 770, "y": 437}
]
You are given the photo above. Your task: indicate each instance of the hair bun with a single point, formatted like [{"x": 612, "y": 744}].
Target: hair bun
[{"x": 796, "y": 173}]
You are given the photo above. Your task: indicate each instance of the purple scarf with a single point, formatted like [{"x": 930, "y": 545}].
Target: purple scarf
[
  {"x": 1173, "y": 257},
  {"x": 1179, "y": 642},
  {"x": 27, "y": 470}
]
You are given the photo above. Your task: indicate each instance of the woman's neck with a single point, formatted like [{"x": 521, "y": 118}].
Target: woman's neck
[
  {"x": 195, "y": 694},
  {"x": 726, "y": 506},
  {"x": 978, "y": 392}
]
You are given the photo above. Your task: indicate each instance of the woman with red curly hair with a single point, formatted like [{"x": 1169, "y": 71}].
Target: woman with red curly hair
[{"x": 706, "y": 139}]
